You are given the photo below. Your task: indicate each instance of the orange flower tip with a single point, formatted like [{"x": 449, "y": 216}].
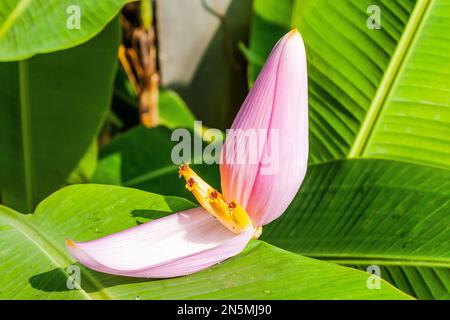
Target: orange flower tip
[
  {"x": 232, "y": 205},
  {"x": 293, "y": 32},
  {"x": 70, "y": 243}
]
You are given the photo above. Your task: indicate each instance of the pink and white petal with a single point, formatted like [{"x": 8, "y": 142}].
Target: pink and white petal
[
  {"x": 240, "y": 157},
  {"x": 176, "y": 245},
  {"x": 278, "y": 102},
  {"x": 276, "y": 184}
]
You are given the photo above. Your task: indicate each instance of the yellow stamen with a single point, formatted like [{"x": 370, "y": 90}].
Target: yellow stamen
[{"x": 231, "y": 215}]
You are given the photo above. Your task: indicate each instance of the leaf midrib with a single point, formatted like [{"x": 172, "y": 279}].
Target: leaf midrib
[
  {"x": 25, "y": 127},
  {"x": 384, "y": 88},
  {"x": 380, "y": 260},
  {"x": 395, "y": 65},
  {"x": 50, "y": 250},
  {"x": 20, "y": 7}
]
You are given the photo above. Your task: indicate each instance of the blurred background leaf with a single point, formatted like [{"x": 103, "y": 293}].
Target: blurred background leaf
[
  {"x": 86, "y": 167},
  {"x": 24, "y": 32},
  {"x": 142, "y": 159},
  {"x": 52, "y": 107},
  {"x": 173, "y": 111}
]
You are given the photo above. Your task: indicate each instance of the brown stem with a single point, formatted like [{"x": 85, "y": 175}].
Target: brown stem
[{"x": 139, "y": 60}]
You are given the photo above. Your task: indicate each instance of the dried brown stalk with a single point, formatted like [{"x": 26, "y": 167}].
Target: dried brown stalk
[{"x": 138, "y": 56}]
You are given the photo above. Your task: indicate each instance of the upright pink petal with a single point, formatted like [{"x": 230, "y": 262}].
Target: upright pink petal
[
  {"x": 277, "y": 108},
  {"x": 176, "y": 245}
]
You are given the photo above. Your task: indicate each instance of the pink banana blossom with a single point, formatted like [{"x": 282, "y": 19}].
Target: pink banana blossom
[{"x": 195, "y": 239}]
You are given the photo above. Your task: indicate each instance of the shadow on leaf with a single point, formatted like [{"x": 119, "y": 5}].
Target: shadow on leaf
[
  {"x": 58, "y": 280},
  {"x": 148, "y": 215}
]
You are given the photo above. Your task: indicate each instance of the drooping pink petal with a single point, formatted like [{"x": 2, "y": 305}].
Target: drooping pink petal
[
  {"x": 176, "y": 245},
  {"x": 265, "y": 176}
]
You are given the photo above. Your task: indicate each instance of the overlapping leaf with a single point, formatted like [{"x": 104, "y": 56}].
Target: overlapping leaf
[
  {"x": 51, "y": 107},
  {"x": 29, "y": 27}
]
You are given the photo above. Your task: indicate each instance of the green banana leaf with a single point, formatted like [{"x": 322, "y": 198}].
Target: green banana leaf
[
  {"x": 422, "y": 282},
  {"x": 372, "y": 92},
  {"x": 51, "y": 107},
  {"x": 85, "y": 212},
  {"x": 29, "y": 27},
  {"x": 374, "y": 212}
]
